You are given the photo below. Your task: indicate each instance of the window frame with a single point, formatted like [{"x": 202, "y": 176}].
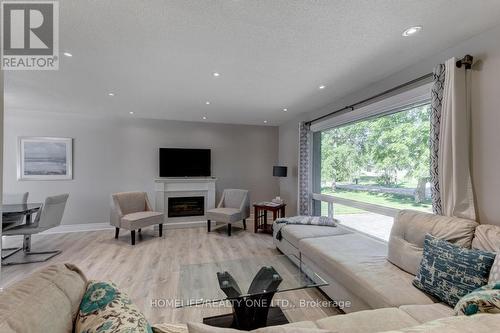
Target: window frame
[{"x": 400, "y": 102}]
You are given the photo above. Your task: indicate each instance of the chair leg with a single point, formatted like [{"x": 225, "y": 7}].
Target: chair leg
[
  {"x": 208, "y": 225},
  {"x": 117, "y": 232},
  {"x": 229, "y": 229},
  {"x": 132, "y": 237},
  {"x": 25, "y": 259},
  {"x": 244, "y": 224},
  {"x": 160, "y": 229},
  {"x": 12, "y": 250},
  {"x": 27, "y": 256}
]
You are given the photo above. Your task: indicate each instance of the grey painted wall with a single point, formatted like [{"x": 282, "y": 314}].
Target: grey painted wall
[
  {"x": 485, "y": 119},
  {"x": 121, "y": 154}
]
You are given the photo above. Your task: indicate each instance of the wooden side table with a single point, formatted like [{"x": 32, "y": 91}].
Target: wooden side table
[{"x": 260, "y": 216}]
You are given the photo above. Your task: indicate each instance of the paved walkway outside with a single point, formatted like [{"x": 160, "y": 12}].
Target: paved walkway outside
[{"x": 373, "y": 224}]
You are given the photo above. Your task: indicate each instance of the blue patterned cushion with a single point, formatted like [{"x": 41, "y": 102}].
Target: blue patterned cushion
[
  {"x": 106, "y": 309},
  {"x": 485, "y": 299},
  {"x": 449, "y": 272}
]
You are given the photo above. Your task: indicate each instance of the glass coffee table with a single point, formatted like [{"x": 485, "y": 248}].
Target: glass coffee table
[{"x": 248, "y": 285}]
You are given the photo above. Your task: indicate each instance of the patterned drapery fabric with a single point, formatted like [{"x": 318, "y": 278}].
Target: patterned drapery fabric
[
  {"x": 436, "y": 107},
  {"x": 304, "y": 168}
]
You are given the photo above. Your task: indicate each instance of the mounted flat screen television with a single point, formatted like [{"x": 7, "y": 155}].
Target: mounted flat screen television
[{"x": 180, "y": 162}]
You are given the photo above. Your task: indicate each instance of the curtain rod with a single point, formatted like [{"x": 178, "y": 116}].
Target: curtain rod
[
  {"x": 466, "y": 61},
  {"x": 386, "y": 92}
]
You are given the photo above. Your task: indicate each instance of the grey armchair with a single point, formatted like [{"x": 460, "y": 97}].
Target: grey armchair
[
  {"x": 48, "y": 217},
  {"x": 234, "y": 206},
  {"x": 132, "y": 211}
]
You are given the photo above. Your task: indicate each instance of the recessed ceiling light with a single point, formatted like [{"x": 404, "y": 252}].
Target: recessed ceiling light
[
  {"x": 204, "y": 118},
  {"x": 412, "y": 30},
  {"x": 207, "y": 102},
  {"x": 131, "y": 112},
  {"x": 322, "y": 87},
  {"x": 111, "y": 94},
  {"x": 265, "y": 121},
  {"x": 285, "y": 109},
  {"x": 67, "y": 54},
  {"x": 216, "y": 74}
]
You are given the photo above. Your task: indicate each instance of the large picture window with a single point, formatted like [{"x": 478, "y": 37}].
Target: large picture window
[{"x": 375, "y": 164}]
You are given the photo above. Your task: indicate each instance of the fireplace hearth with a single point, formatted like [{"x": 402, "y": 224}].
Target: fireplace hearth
[
  {"x": 171, "y": 188},
  {"x": 186, "y": 206}
]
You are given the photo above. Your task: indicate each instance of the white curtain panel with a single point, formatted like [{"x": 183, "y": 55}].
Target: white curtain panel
[{"x": 457, "y": 196}]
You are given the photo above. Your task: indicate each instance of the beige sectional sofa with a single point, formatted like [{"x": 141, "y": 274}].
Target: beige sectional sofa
[
  {"x": 373, "y": 274},
  {"x": 355, "y": 265},
  {"x": 48, "y": 301}
]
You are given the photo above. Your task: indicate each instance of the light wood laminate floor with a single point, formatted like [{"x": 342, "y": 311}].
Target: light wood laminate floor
[{"x": 150, "y": 269}]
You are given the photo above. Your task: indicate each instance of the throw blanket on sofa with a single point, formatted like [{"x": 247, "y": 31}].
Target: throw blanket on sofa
[{"x": 304, "y": 220}]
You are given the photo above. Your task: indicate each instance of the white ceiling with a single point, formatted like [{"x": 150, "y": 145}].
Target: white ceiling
[{"x": 158, "y": 56}]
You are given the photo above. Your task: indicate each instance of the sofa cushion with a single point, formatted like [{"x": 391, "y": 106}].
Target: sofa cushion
[
  {"x": 104, "y": 308},
  {"x": 457, "y": 324},
  {"x": 368, "y": 321},
  {"x": 449, "y": 272},
  {"x": 202, "y": 328},
  {"x": 303, "y": 324},
  {"x": 170, "y": 328},
  {"x": 294, "y": 233},
  {"x": 428, "y": 312},
  {"x": 410, "y": 227},
  {"x": 141, "y": 219},
  {"x": 359, "y": 264},
  {"x": 45, "y": 301},
  {"x": 487, "y": 238}
]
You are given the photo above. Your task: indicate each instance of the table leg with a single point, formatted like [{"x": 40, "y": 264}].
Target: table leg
[
  {"x": 265, "y": 221},
  {"x": 282, "y": 211},
  {"x": 27, "y": 238},
  {"x": 255, "y": 219},
  {"x": 275, "y": 215}
]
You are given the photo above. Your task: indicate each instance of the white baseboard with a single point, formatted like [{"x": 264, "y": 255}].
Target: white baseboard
[{"x": 67, "y": 228}]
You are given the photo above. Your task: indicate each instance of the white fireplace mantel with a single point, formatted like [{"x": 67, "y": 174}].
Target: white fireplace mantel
[{"x": 179, "y": 187}]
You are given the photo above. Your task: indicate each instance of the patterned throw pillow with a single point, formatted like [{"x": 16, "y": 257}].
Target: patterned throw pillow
[
  {"x": 485, "y": 299},
  {"x": 449, "y": 272},
  {"x": 495, "y": 271},
  {"x": 105, "y": 309}
]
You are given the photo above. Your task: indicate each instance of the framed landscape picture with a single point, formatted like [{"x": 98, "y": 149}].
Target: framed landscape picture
[{"x": 45, "y": 158}]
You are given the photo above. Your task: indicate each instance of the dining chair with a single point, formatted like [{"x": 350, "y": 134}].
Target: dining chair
[
  {"x": 14, "y": 199},
  {"x": 50, "y": 216}
]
